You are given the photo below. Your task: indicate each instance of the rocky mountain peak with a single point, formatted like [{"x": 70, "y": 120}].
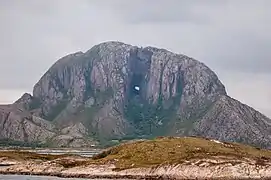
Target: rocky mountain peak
[
  {"x": 158, "y": 72},
  {"x": 116, "y": 90}
]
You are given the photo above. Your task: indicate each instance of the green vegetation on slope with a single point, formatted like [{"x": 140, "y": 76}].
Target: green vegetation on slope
[
  {"x": 176, "y": 150},
  {"x": 89, "y": 113},
  {"x": 149, "y": 119},
  {"x": 13, "y": 143},
  {"x": 34, "y": 104},
  {"x": 56, "y": 110}
]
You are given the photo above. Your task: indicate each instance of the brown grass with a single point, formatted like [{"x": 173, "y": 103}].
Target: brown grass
[
  {"x": 176, "y": 150},
  {"x": 23, "y": 155}
]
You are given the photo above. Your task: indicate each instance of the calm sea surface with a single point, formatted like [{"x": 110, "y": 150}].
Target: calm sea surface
[{"x": 85, "y": 153}]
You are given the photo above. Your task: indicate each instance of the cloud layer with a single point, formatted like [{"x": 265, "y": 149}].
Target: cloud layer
[{"x": 231, "y": 37}]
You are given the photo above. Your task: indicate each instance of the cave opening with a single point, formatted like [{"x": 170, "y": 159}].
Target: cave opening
[
  {"x": 136, "y": 85},
  {"x": 137, "y": 88}
]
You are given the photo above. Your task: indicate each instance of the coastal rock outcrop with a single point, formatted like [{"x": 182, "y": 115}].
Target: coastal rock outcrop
[
  {"x": 19, "y": 125},
  {"x": 161, "y": 158}
]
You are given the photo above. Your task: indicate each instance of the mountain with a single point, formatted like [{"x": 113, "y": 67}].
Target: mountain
[{"x": 118, "y": 91}]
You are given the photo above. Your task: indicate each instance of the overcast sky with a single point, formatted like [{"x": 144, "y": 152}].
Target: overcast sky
[{"x": 232, "y": 37}]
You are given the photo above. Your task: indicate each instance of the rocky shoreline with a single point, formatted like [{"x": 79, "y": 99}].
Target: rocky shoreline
[
  {"x": 197, "y": 169},
  {"x": 128, "y": 177}
]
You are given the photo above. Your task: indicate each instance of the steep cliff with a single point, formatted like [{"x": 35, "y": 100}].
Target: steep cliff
[{"x": 116, "y": 90}]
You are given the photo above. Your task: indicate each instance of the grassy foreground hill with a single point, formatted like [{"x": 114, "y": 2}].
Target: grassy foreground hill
[{"x": 170, "y": 150}]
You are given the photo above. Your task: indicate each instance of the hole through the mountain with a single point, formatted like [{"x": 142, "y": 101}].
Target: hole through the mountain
[
  {"x": 135, "y": 84},
  {"x": 137, "y": 88}
]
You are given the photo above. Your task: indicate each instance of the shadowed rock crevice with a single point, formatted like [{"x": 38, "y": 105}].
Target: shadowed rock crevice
[{"x": 139, "y": 63}]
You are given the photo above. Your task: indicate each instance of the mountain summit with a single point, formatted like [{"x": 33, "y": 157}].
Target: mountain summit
[{"x": 116, "y": 91}]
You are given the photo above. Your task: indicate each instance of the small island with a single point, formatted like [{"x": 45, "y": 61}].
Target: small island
[{"x": 160, "y": 158}]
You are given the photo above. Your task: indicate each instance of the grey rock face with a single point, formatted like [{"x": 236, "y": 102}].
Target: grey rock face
[
  {"x": 118, "y": 67},
  {"x": 24, "y": 102},
  {"x": 73, "y": 136},
  {"x": 19, "y": 125},
  {"x": 116, "y": 90},
  {"x": 233, "y": 121}
]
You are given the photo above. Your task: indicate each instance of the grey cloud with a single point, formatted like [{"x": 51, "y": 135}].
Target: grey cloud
[
  {"x": 34, "y": 34},
  {"x": 236, "y": 33},
  {"x": 245, "y": 54},
  {"x": 230, "y": 36},
  {"x": 249, "y": 88},
  {"x": 160, "y": 11}
]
